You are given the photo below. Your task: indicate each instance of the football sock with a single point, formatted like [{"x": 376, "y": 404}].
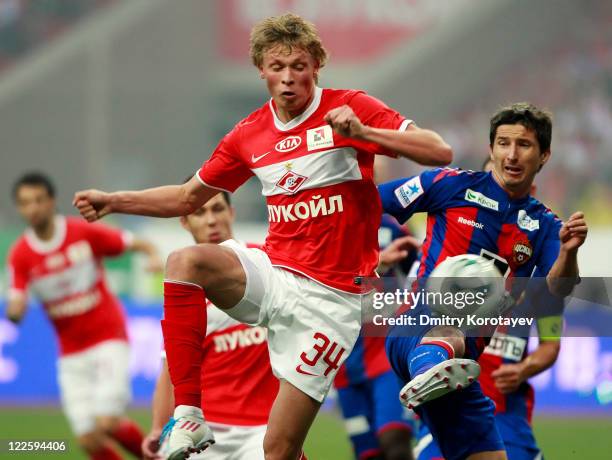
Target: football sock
[
  {"x": 184, "y": 328},
  {"x": 427, "y": 355},
  {"x": 129, "y": 435},
  {"x": 105, "y": 453}
]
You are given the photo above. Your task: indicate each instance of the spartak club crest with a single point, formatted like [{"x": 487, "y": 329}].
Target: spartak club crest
[{"x": 291, "y": 182}]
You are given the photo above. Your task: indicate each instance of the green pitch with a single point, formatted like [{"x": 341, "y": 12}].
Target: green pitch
[{"x": 560, "y": 438}]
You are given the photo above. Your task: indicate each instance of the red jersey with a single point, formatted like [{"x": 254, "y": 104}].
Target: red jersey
[
  {"x": 238, "y": 387},
  {"x": 323, "y": 207},
  {"x": 67, "y": 275}
]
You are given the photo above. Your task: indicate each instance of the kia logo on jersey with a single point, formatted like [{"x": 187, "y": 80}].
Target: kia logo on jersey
[
  {"x": 288, "y": 144},
  {"x": 291, "y": 182}
]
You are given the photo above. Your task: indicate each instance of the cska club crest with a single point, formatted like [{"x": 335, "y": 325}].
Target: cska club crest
[
  {"x": 521, "y": 252},
  {"x": 291, "y": 182}
]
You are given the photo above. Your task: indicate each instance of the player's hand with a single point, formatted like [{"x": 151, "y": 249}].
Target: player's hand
[
  {"x": 508, "y": 377},
  {"x": 92, "y": 204},
  {"x": 573, "y": 232},
  {"x": 150, "y": 445},
  {"x": 344, "y": 121},
  {"x": 396, "y": 251}
]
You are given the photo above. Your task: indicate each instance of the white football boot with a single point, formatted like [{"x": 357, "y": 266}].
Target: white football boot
[
  {"x": 186, "y": 433},
  {"x": 450, "y": 375}
]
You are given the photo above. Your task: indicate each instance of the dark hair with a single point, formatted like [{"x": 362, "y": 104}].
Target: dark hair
[
  {"x": 527, "y": 115},
  {"x": 34, "y": 179},
  {"x": 225, "y": 194}
]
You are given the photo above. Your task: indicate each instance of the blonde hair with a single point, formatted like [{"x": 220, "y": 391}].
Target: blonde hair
[{"x": 289, "y": 31}]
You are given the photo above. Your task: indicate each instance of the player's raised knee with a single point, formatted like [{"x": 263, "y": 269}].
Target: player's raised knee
[{"x": 187, "y": 264}]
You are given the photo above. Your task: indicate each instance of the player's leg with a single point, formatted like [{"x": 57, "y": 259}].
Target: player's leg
[
  {"x": 290, "y": 419},
  {"x": 192, "y": 275},
  {"x": 426, "y": 447},
  {"x": 311, "y": 331},
  {"x": 76, "y": 383},
  {"x": 356, "y": 405},
  {"x": 112, "y": 395},
  {"x": 391, "y": 421}
]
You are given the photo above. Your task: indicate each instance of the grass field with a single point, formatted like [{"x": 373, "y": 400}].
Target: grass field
[{"x": 560, "y": 438}]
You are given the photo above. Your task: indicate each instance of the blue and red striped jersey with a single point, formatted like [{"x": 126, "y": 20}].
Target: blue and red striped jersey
[
  {"x": 470, "y": 213},
  {"x": 368, "y": 358}
]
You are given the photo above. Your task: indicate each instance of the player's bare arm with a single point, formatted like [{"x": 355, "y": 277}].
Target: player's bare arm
[
  {"x": 508, "y": 377},
  {"x": 424, "y": 146},
  {"x": 165, "y": 201},
  {"x": 154, "y": 263},
  {"x": 16, "y": 308},
  {"x": 396, "y": 251},
  {"x": 563, "y": 275}
]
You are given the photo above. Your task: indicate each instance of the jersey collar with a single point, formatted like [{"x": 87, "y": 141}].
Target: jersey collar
[
  {"x": 503, "y": 195},
  {"x": 46, "y": 246},
  {"x": 314, "y": 105}
]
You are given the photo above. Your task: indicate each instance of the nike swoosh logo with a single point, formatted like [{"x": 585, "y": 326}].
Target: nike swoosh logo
[
  {"x": 255, "y": 159},
  {"x": 302, "y": 371}
]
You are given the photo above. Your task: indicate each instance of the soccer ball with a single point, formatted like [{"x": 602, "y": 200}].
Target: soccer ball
[{"x": 467, "y": 284}]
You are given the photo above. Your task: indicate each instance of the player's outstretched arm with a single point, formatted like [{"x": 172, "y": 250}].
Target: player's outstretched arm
[
  {"x": 16, "y": 308},
  {"x": 563, "y": 275},
  {"x": 423, "y": 146},
  {"x": 166, "y": 201},
  {"x": 163, "y": 407}
]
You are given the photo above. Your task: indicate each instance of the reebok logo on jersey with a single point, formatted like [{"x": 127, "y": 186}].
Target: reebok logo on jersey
[
  {"x": 291, "y": 182},
  {"x": 527, "y": 223},
  {"x": 409, "y": 192},
  {"x": 471, "y": 223},
  {"x": 288, "y": 144},
  {"x": 319, "y": 138},
  {"x": 479, "y": 198}
]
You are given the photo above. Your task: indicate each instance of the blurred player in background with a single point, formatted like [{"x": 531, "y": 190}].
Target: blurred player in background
[
  {"x": 238, "y": 387},
  {"x": 490, "y": 214},
  {"x": 378, "y": 425},
  {"x": 59, "y": 260},
  {"x": 505, "y": 366},
  {"x": 313, "y": 151}
]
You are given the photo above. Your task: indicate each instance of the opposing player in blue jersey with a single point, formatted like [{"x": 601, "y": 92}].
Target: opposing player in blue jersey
[
  {"x": 506, "y": 365},
  {"x": 478, "y": 213}
]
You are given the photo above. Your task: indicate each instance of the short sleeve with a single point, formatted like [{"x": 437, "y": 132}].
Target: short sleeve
[
  {"x": 18, "y": 276},
  {"x": 224, "y": 170},
  {"x": 427, "y": 192},
  {"x": 107, "y": 241},
  {"x": 375, "y": 113}
]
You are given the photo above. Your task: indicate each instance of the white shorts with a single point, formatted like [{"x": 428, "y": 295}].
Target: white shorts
[
  {"x": 94, "y": 382},
  {"x": 235, "y": 443},
  {"x": 311, "y": 328}
]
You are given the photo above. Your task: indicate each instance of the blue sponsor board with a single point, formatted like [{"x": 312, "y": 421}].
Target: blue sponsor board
[
  {"x": 580, "y": 381},
  {"x": 28, "y": 355}
]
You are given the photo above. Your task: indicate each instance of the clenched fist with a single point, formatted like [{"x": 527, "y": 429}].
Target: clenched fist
[
  {"x": 92, "y": 204},
  {"x": 344, "y": 121}
]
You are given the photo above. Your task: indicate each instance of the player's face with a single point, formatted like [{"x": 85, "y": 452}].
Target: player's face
[
  {"x": 35, "y": 205},
  {"x": 516, "y": 158},
  {"x": 212, "y": 223},
  {"x": 290, "y": 78}
]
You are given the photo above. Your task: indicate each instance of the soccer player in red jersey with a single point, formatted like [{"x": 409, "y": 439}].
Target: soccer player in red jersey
[
  {"x": 313, "y": 151},
  {"x": 59, "y": 260},
  {"x": 238, "y": 387}
]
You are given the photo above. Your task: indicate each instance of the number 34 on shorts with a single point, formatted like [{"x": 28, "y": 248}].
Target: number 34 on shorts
[{"x": 323, "y": 348}]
